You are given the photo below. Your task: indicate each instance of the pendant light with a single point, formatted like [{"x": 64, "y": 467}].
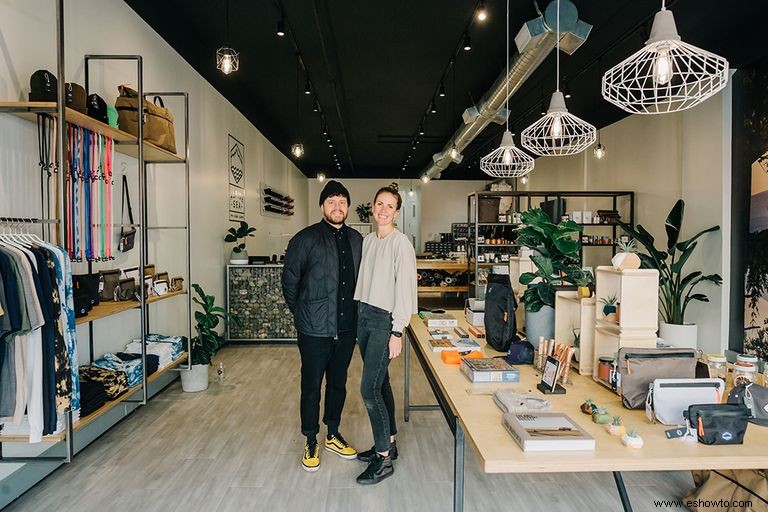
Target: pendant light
[
  {"x": 321, "y": 177},
  {"x": 297, "y": 150},
  {"x": 507, "y": 161},
  {"x": 482, "y": 12},
  {"x": 559, "y": 132},
  {"x": 667, "y": 75},
  {"x": 227, "y": 59},
  {"x": 599, "y": 150}
]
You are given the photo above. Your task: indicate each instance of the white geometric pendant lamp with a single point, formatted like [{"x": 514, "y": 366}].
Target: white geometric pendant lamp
[
  {"x": 667, "y": 75},
  {"x": 558, "y": 132},
  {"x": 507, "y": 161}
]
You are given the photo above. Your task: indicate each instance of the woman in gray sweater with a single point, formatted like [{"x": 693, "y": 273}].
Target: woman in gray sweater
[{"x": 386, "y": 291}]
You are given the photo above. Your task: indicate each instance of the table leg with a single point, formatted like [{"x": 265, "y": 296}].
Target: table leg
[
  {"x": 622, "y": 491},
  {"x": 458, "y": 468},
  {"x": 407, "y": 382}
]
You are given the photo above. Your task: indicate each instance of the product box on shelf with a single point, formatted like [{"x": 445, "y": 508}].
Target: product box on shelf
[
  {"x": 576, "y": 216},
  {"x": 586, "y": 217},
  {"x": 476, "y": 318}
]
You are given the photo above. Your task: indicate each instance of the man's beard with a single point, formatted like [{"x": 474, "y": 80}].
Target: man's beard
[{"x": 331, "y": 221}]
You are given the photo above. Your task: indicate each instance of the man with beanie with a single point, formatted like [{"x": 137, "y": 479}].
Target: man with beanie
[{"x": 319, "y": 278}]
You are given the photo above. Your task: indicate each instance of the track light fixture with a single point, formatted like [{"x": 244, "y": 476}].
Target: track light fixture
[
  {"x": 307, "y": 87},
  {"x": 433, "y": 108},
  {"x": 421, "y": 129},
  {"x": 281, "y": 27},
  {"x": 315, "y": 106},
  {"x": 441, "y": 91},
  {"x": 467, "y": 44}
]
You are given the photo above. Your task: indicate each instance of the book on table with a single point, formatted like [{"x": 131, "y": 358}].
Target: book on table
[
  {"x": 439, "y": 334},
  {"x": 489, "y": 369},
  {"x": 462, "y": 345},
  {"x": 547, "y": 431},
  {"x": 438, "y": 319}
]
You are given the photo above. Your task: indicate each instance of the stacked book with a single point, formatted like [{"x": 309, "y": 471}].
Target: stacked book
[
  {"x": 546, "y": 431},
  {"x": 489, "y": 369},
  {"x": 433, "y": 320},
  {"x": 460, "y": 344}
]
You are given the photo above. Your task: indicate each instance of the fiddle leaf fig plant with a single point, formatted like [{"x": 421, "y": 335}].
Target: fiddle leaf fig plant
[
  {"x": 208, "y": 341},
  {"x": 234, "y": 235},
  {"x": 557, "y": 248},
  {"x": 676, "y": 288}
]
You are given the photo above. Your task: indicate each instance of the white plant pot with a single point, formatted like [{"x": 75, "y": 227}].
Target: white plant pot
[
  {"x": 576, "y": 353},
  {"x": 680, "y": 335},
  {"x": 196, "y": 379},
  {"x": 238, "y": 258}
]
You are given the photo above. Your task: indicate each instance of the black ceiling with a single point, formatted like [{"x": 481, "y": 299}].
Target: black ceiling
[{"x": 375, "y": 66}]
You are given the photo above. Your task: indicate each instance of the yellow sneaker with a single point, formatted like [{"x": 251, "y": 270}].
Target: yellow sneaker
[
  {"x": 336, "y": 444},
  {"x": 311, "y": 460}
]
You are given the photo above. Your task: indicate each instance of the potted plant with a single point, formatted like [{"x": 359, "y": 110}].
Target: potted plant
[
  {"x": 239, "y": 255},
  {"x": 627, "y": 257},
  {"x": 584, "y": 283},
  {"x": 676, "y": 288},
  {"x": 364, "y": 212},
  {"x": 556, "y": 264},
  {"x": 207, "y": 342},
  {"x": 600, "y": 416},
  {"x": 610, "y": 307},
  {"x": 632, "y": 439},
  {"x": 616, "y": 428}
]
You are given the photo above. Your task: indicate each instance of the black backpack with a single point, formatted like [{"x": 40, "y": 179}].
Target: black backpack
[{"x": 500, "y": 306}]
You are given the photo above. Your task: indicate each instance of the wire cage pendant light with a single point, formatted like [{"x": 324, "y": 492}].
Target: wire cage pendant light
[
  {"x": 558, "y": 132},
  {"x": 507, "y": 161},
  {"x": 667, "y": 75},
  {"x": 227, "y": 58}
]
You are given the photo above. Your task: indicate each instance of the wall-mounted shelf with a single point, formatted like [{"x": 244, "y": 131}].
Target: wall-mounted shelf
[{"x": 105, "y": 309}]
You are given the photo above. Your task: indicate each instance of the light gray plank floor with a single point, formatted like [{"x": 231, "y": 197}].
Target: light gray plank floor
[{"x": 237, "y": 447}]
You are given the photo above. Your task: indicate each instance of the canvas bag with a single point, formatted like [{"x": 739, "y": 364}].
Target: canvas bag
[
  {"x": 735, "y": 486},
  {"x": 500, "y": 306},
  {"x": 755, "y": 397},
  {"x": 158, "y": 120},
  {"x": 639, "y": 367}
]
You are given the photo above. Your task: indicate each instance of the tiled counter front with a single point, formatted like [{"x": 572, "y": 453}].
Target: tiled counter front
[{"x": 255, "y": 295}]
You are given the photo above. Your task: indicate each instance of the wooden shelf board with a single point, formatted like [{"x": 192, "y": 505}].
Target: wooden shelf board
[
  {"x": 109, "y": 405},
  {"x": 105, "y": 309},
  {"x": 28, "y": 111},
  {"x": 441, "y": 265},
  {"x": 441, "y": 289}
]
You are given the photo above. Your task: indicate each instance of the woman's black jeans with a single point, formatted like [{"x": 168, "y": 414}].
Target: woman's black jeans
[{"x": 373, "y": 330}]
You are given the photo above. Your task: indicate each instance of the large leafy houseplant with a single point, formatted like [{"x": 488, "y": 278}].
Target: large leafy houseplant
[
  {"x": 208, "y": 341},
  {"x": 676, "y": 288},
  {"x": 556, "y": 260}
]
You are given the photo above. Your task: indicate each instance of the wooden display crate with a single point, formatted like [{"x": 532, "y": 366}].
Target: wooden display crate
[{"x": 572, "y": 312}]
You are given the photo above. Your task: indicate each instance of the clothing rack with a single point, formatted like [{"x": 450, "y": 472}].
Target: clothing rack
[{"x": 27, "y": 220}]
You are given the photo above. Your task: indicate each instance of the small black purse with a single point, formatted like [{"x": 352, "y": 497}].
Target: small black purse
[
  {"x": 127, "y": 236},
  {"x": 719, "y": 423}
]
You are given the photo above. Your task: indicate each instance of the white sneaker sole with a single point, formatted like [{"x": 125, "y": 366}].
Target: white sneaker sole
[
  {"x": 348, "y": 457},
  {"x": 308, "y": 469}
]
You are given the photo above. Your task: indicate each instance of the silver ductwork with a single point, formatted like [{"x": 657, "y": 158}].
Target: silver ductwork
[{"x": 535, "y": 40}]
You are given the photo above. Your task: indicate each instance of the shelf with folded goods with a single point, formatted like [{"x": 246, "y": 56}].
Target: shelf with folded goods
[
  {"x": 498, "y": 245},
  {"x": 125, "y": 143},
  {"x": 450, "y": 265},
  {"x": 110, "y": 404},
  {"x": 105, "y": 309},
  {"x": 441, "y": 289}
]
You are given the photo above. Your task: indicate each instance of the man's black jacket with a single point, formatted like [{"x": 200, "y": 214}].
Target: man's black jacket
[{"x": 311, "y": 278}]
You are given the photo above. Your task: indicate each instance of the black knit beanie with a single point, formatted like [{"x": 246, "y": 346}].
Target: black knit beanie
[{"x": 334, "y": 188}]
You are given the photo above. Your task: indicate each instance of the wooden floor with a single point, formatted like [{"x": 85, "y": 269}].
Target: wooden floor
[{"x": 237, "y": 446}]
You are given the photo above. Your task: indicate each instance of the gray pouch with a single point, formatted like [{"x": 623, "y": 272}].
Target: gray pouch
[
  {"x": 755, "y": 397},
  {"x": 639, "y": 367}
]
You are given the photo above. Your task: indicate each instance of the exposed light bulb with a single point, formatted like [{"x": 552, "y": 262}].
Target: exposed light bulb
[
  {"x": 556, "y": 130},
  {"x": 227, "y": 60},
  {"x": 320, "y": 177},
  {"x": 226, "y": 65},
  {"x": 467, "y": 44},
  {"x": 482, "y": 12},
  {"x": 297, "y": 150},
  {"x": 421, "y": 129},
  {"x": 507, "y": 157},
  {"x": 307, "y": 87},
  {"x": 425, "y": 178},
  {"x": 599, "y": 151},
  {"x": 454, "y": 152},
  {"x": 411, "y": 193},
  {"x": 280, "y": 28},
  {"x": 524, "y": 180},
  {"x": 662, "y": 67}
]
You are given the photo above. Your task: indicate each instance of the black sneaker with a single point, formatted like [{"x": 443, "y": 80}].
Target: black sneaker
[
  {"x": 378, "y": 469},
  {"x": 367, "y": 455}
]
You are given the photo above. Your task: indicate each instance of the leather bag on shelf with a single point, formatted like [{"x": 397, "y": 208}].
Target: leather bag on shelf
[
  {"x": 157, "y": 120},
  {"x": 127, "y": 236},
  {"x": 110, "y": 280},
  {"x": 639, "y": 367},
  {"x": 125, "y": 290},
  {"x": 43, "y": 86},
  {"x": 74, "y": 97}
]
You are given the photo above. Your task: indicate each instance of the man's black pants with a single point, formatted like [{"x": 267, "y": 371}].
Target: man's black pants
[{"x": 330, "y": 358}]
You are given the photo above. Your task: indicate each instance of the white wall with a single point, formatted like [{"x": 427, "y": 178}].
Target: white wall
[
  {"x": 440, "y": 202},
  {"x": 111, "y": 27},
  {"x": 663, "y": 158}
]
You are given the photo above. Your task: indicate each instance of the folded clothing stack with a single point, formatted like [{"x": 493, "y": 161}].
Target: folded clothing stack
[
  {"x": 153, "y": 361},
  {"x": 132, "y": 369},
  {"x": 514, "y": 402},
  {"x": 115, "y": 382},
  {"x": 179, "y": 343},
  {"x": 167, "y": 348},
  {"x": 92, "y": 396}
]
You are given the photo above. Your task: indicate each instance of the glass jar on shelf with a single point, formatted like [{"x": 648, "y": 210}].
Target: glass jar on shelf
[
  {"x": 746, "y": 358},
  {"x": 718, "y": 368},
  {"x": 744, "y": 373}
]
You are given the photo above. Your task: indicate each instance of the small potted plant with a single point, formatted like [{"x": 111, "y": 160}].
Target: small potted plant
[
  {"x": 616, "y": 428},
  {"x": 610, "y": 307},
  {"x": 207, "y": 342},
  {"x": 600, "y": 416},
  {"x": 239, "y": 255},
  {"x": 632, "y": 439},
  {"x": 588, "y": 407},
  {"x": 364, "y": 212},
  {"x": 626, "y": 258},
  {"x": 576, "y": 343}
]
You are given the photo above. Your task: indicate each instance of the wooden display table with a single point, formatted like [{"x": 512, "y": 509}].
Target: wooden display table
[{"x": 477, "y": 417}]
